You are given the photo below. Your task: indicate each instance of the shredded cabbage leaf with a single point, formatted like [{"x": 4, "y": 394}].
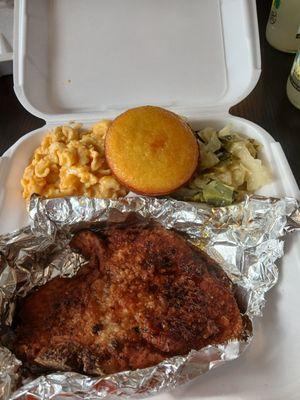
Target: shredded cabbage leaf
[{"x": 229, "y": 168}]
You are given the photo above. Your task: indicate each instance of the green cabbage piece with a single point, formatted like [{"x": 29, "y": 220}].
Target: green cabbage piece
[
  {"x": 229, "y": 168},
  {"x": 218, "y": 194}
]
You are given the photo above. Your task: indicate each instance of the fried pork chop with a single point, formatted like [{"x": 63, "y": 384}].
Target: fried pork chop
[{"x": 145, "y": 295}]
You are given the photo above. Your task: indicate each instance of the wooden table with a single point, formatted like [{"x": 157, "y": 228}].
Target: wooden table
[{"x": 267, "y": 105}]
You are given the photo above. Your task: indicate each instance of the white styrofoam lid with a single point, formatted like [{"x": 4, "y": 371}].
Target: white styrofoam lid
[{"x": 76, "y": 59}]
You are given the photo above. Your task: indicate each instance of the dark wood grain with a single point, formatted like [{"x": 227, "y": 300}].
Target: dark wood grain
[
  {"x": 267, "y": 105},
  {"x": 15, "y": 121}
]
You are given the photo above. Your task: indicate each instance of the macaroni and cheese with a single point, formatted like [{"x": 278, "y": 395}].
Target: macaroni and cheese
[{"x": 70, "y": 162}]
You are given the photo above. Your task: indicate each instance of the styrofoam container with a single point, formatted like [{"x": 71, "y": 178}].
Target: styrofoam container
[{"x": 88, "y": 60}]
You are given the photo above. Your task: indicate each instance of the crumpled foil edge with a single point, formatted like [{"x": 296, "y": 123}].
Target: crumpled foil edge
[{"x": 246, "y": 239}]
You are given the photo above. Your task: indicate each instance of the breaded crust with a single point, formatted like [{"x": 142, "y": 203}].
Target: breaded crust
[{"x": 147, "y": 294}]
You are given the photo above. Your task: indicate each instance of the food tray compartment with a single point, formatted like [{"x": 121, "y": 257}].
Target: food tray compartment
[{"x": 13, "y": 207}]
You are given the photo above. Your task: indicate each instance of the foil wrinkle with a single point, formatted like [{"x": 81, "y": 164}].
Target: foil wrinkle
[{"x": 246, "y": 239}]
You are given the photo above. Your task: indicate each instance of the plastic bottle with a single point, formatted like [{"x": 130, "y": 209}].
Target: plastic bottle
[
  {"x": 283, "y": 24},
  {"x": 293, "y": 83}
]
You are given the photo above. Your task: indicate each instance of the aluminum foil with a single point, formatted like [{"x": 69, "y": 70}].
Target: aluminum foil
[{"x": 246, "y": 239}]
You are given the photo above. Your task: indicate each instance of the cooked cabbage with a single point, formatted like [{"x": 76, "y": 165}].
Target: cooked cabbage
[{"x": 229, "y": 168}]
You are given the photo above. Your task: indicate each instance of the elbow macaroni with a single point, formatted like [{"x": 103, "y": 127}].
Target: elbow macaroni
[{"x": 70, "y": 162}]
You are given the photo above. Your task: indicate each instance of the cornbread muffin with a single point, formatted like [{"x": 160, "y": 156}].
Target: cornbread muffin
[{"x": 151, "y": 151}]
